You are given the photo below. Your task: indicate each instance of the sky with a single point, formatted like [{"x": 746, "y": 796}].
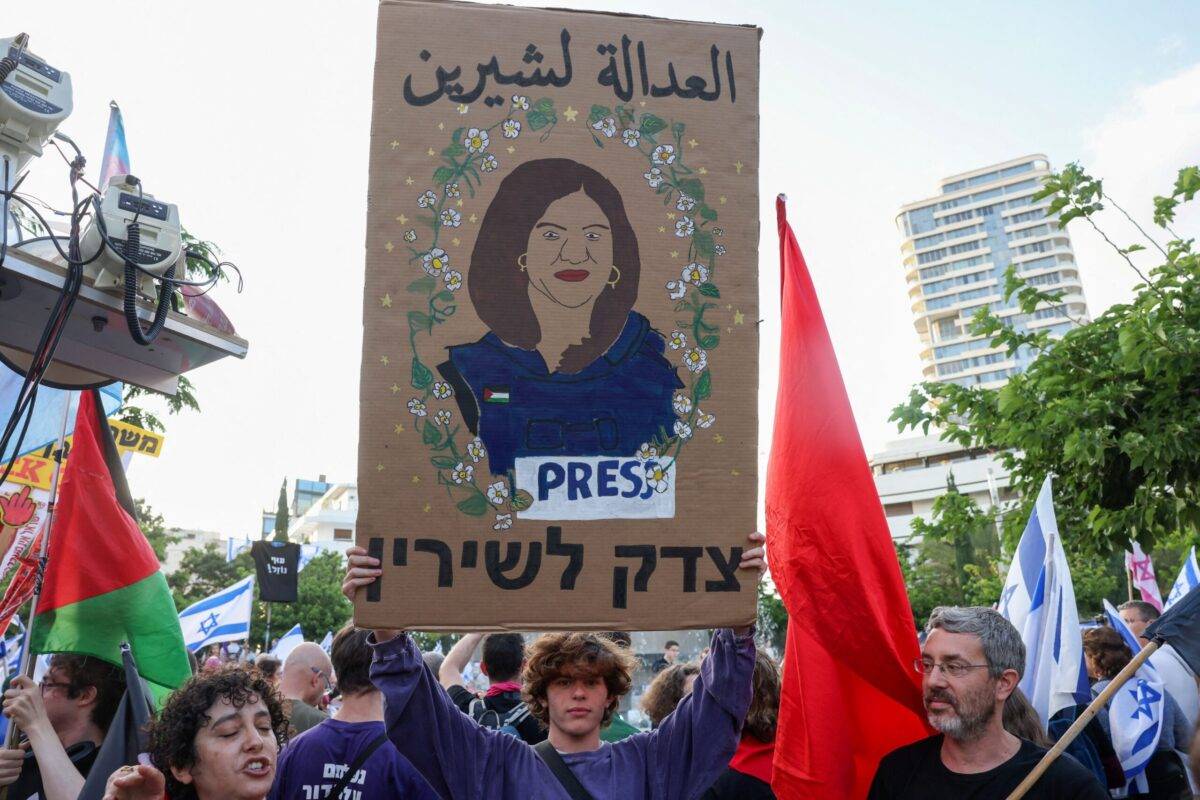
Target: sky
[{"x": 254, "y": 118}]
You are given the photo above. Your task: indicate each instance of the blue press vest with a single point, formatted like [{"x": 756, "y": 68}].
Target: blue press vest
[{"x": 611, "y": 407}]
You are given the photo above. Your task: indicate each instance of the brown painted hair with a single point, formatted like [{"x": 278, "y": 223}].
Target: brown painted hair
[
  {"x": 499, "y": 288},
  {"x": 1107, "y": 649},
  {"x": 570, "y": 655}
]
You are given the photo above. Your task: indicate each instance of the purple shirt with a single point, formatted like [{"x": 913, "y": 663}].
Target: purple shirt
[
  {"x": 463, "y": 761},
  {"x": 314, "y": 761}
]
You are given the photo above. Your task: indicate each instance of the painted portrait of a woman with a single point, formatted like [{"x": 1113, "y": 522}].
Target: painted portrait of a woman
[{"x": 568, "y": 368}]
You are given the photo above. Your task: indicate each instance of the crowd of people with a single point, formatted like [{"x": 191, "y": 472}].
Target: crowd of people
[{"x": 377, "y": 718}]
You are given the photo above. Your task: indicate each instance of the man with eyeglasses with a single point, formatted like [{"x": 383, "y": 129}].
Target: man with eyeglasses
[
  {"x": 64, "y": 720},
  {"x": 306, "y": 676},
  {"x": 972, "y": 661}
]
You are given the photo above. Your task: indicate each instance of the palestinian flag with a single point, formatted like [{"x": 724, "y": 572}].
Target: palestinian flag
[{"x": 103, "y": 583}]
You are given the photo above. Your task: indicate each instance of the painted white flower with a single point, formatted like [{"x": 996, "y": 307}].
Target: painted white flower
[
  {"x": 462, "y": 473},
  {"x": 497, "y": 493},
  {"x": 719, "y": 249},
  {"x": 682, "y": 404},
  {"x": 512, "y": 128},
  {"x": 607, "y": 126},
  {"x": 443, "y": 417},
  {"x": 631, "y": 137},
  {"x": 654, "y": 177},
  {"x": 685, "y": 228},
  {"x": 521, "y": 101},
  {"x": 427, "y": 200},
  {"x": 503, "y": 522},
  {"x": 678, "y": 340},
  {"x": 646, "y": 452},
  {"x": 695, "y": 273},
  {"x": 682, "y": 429},
  {"x": 705, "y": 420},
  {"x": 453, "y": 279},
  {"x": 451, "y": 218},
  {"x": 676, "y": 289},
  {"x": 476, "y": 450},
  {"x": 685, "y": 202},
  {"x": 663, "y": 155},
  {"x": 718, "y": 231},
  {"x": 656, "y": 477},
  {"x": 452, "y": 190},
  {"x": 695, "y": 359},
  {"x": 416, "y": 407},
  {"x": 442, "y": 390},
  {"x": 410, "y": 236},
  {"x": 435, "y": 261},
  {"x": 476, "y": 141},
  {"x": 489, "y": 163}
]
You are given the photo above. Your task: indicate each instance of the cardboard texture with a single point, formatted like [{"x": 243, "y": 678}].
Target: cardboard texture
[{"x": 560, "y": 350}]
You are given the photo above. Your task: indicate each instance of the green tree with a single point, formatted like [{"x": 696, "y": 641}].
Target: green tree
[
  {"x": 153, "y": 528},
  {"x": 319, "y": 605},
  {"x": 281, "y": 514},
  {"x": 1112, "y": 410},
  {"x": 203, "y": 571},
  {"x": 772, "y": 616}
]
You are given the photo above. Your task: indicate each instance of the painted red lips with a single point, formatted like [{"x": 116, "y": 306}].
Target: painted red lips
[{"x": 572, "y": 275}]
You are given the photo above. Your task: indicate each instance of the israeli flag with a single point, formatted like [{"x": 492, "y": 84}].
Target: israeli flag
[
  {"x": 327, "y": 642},
  {"x": 1189, "y": 578},
  {"x": 287, "y": 643},
  {"x": 223, "y": 617},
  {"x": 1135, "y": 712},
  {"x": 1039, "y": 600}
]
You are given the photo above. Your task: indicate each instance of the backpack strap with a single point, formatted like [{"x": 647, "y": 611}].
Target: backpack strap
[
  {"x": 551, "y": 758},
  {"x": 366, "y": 753}
]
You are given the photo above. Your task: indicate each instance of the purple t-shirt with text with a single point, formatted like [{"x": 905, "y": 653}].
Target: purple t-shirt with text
[{"x": 313, "y": 762}]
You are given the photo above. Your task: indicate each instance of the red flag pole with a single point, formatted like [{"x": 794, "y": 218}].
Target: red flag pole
[{"x": 27, "y": 662}]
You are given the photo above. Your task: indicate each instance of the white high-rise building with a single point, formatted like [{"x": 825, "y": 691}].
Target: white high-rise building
[{"x": 957, "y": 246}]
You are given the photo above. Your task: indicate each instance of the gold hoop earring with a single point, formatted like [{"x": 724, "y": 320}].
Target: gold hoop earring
[
  {"x": 614, "y": 281},
  {"x": 521, "y": 263}
]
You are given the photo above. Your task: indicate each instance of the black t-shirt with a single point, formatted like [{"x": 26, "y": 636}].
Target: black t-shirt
[
  {"x": 275, "y": 565},
  {"x": 734, "y": 785},
  {"x": 529, "y": 728},
  {"x": 916, "y": 771},
  {"x": 28, "y": 785}
]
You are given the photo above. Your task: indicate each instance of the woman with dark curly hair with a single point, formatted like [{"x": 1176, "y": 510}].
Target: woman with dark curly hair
[
  {"x": 666, "y": 690},
  {"x": 217, "y": 738},
  {"x": 1106, "y": 654},
  {"x": 749, "y": 773}
]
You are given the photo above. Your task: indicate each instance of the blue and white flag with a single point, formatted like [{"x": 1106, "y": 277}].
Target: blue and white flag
[
  {"x": 223, "y": 617},
  {"x": 1039, "y": 600},
  {"x": 116, "y": 151},
  {"x": 46, "y": 420},
  {"x": 287, "y": 643},
  {"x": 1189, "y": 578},
  {"x": 327, "y": 642},
  {"x": 1135, "y": 712}
]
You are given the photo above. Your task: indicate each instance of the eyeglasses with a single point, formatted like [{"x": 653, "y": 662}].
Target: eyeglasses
[
  {"x": 324, "y": 677},
  {"x": 953, "y": 669},
  {"x": 51, "y": 684}
]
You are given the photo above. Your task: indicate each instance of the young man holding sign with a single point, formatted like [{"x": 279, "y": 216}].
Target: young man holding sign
[{"x": 572, "y": 683}]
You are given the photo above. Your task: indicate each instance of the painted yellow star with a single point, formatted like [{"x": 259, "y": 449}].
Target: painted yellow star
[
  {"x": 456, "y": 241},
  {"x": 734, "y": 472},
  {"x": 441, "y": 126},
  {"x": 670, "y": 215},
  {"x": 386, "y": 301},
  {"x": 408, "y": 181},
  {"x": 384, "y": 360},
  {"x": 728, "y": 329},
  {"x": 379, "y": 467},
  {"x": 427, "y": 508},
  {"x": 722, "y": 198},
  {"x": 674, "y": 254},
  {"x": 662, "y": 229},
  {"x": 416, "y": 478},
  {"x": 472, "y": 218},
  {"x": 511, "y": 149},
  {"x": 570, "y": 114},
  {"x": 692, "y": 143},
  {"x": 738, "y": 317},
  {"x": 399, "y": 428},
  {"x": 459, "y": 203},
  {"x": 395, "y": 144},
  {"x": 395, "y": 388},
  {"x": 431, "y": 152},
  {"x": 718, "y": 438},
  {"x": 642, "y": 103},
  {"x": 738, "y": 166},
  {"x": 389, "y": 247},
  {"x": 729, "y": 306},
  {"x": 703, "y": 170},
  {"x": 403, "y": 220},
  {"x": 463, "y": 108}
]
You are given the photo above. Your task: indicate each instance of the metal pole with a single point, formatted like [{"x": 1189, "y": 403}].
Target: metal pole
[
  {"x": 27, "y": 661},
  {"x": 267, "y": 635}
]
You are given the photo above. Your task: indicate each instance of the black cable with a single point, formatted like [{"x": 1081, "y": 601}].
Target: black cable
[{"x": 133, "y": 238}]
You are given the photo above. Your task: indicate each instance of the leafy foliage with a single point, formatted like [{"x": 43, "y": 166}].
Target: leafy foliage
[
  {"x": 1112, "y": 410},
  {"x": 319, "y": 606},
  {"x": 281, "y": 514},
  {"x": 203, "y": 571},
  {"x": 153, "y": 528}
]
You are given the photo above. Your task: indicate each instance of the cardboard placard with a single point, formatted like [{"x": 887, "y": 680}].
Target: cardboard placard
[{"x": 560, "y": 356}]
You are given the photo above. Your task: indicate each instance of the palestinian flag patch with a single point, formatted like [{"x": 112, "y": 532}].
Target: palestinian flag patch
[{"x": 495, "y": 394}]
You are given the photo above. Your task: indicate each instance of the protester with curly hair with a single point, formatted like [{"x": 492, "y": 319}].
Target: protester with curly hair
[
  {"x": 749, "y": 773},
  {"x": 217, "y": 738},
  {"x": 669, "y": 686},
  {"x": 572, "y": 682}
]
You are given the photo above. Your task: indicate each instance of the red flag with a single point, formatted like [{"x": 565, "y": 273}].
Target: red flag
[{"x": 850, "y": 693}]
